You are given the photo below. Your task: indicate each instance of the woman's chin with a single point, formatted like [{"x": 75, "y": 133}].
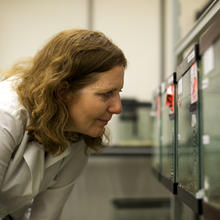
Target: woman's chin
[{"x": 96, "y": 133}]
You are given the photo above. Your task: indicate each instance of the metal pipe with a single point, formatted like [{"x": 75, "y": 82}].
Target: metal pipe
[
  {"x": 90, "y": 22},
  {"x": 162, "y": 41}
]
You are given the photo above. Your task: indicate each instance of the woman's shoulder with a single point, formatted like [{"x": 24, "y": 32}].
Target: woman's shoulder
[
  {"x": 13, "y": 116},
  {"x": 8, "y": 95}
]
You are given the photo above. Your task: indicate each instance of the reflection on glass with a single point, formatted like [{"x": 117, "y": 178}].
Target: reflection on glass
[{"x": 210, "y": 70}]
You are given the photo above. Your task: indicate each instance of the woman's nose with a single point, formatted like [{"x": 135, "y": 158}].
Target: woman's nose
[{"x": 115, "y": 106}]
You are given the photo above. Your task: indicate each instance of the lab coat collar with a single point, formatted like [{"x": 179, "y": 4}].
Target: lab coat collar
[{"x": 51, "y": 159}]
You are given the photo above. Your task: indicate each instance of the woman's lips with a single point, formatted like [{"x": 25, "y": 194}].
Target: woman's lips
[{"x": 104, "y": 122}]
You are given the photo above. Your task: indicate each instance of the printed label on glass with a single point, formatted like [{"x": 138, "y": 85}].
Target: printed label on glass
[
  {"x": 170, "y": 98},
  {"x": 194, "y": 83},
  {"x": 158, "y": 106}
]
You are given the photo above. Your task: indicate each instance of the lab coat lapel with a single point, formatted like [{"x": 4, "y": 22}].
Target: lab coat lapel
[
  {"x": 26, "y": 170},
  {"x": 51, "y": 159},
  {"x": 34, "y": 157}
]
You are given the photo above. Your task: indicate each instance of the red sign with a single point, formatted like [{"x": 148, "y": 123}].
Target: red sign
[
  {"x": 170, "y": 97},
  {"x": 194, "y": 84}
]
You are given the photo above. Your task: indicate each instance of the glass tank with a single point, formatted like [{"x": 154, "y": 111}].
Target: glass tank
[
  {"x": 134, "y": 128},
  {"x": 164, "y": 132},
  {"x": 156, "y": 111},
  {"x": 189, "y": 149},
  {"x": 168, "y": 130},
  {"x": 210, "y": 71}
]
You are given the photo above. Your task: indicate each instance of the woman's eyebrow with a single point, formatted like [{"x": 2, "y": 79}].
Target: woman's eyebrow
[{"x": 110, "y": 89}]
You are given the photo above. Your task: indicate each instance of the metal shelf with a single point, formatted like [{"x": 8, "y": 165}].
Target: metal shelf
[
  {"x": 126, "y": 151},
  {"x": 201, "y": 24},
  {"x": 190, "y": 200}
]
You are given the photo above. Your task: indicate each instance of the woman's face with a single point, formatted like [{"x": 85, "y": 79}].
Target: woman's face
[{"x": 92, "y": 107}]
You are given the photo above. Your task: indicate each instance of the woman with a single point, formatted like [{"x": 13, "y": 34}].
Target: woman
[{"x": 53, "y": 108}]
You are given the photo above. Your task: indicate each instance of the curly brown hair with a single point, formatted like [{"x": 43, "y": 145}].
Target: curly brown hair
[{"x": 74, "y": 56}]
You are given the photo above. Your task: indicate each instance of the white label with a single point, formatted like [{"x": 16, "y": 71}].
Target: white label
[
  {"x": 209, "y": 60},
  {"x": 200, "y": 194},
  {"x": 205, "y": 139},
  {"x": 206, "y": 183},
  {"x": 205, "y": 83},
  {"x": 193, "y": 122},
  {"x": 180, "y": 86}
]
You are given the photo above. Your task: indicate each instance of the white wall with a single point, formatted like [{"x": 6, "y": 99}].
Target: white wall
[
  {"x": 25, "y": 25},
  {"x": 134, "y": 26}
]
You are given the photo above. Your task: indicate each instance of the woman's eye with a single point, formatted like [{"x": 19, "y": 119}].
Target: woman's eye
[{"x": 107, "y": 94}]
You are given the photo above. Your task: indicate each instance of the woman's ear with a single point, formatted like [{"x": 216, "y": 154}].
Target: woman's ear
[{"x": 62, "y": 90}]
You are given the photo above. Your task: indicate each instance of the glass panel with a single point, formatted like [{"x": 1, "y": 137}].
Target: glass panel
[
  {"x": 145, "y": 121},
  {"x": 172, "y": 156},
  {"x": 167, "y": 107},
  {"x": 134, "y": 126},
  {"x": 156, "y": 132},
  {"x": 188, "y": 137},
  {"x": 165, "y": 143},
  {"x": 210, "y": 70}
]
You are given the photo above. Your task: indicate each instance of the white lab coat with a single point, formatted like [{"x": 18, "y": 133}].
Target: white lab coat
[{"x": 27, "y": 177}]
